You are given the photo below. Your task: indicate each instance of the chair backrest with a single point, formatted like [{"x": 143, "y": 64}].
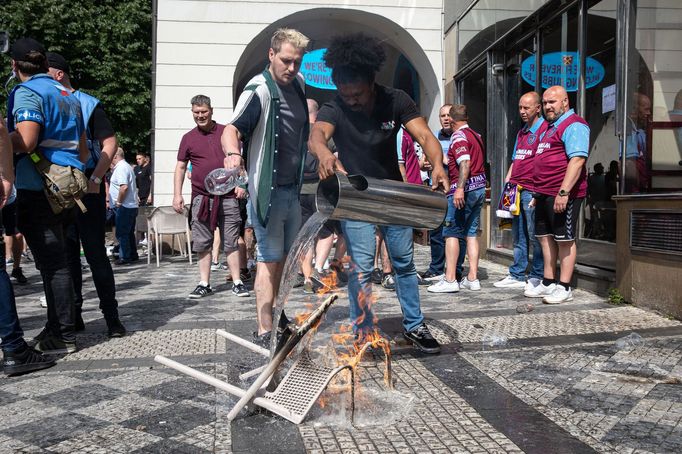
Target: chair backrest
[
  {"x": 166, "y": 220},
  {"x": 141, "y": 219}
]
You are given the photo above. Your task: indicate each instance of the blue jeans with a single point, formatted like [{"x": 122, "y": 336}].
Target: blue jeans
[
  {"x": 284, "y": 222},
  {"x": 361, "y": 247},
  {"x": 464, "y": 222},
  {"x": 11, "y": 334},
  {"x": 523, "y": 235},
  {"x": 125, "y": 233}
]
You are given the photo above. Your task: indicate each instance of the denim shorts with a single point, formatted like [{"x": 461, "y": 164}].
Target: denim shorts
[
  {"x": 275, "y": 239},
  {"x": 464, "y": 222}
]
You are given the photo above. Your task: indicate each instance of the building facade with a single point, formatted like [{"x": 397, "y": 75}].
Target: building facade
[
  {"x": 215, "y": 47},
  {"x": 621, "y": 63}
]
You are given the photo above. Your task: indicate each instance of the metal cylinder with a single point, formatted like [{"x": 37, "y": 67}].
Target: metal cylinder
[{"x": 383, "y": 202}]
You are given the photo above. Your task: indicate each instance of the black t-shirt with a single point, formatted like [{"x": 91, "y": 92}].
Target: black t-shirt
[
  {"x": 143, "y": 179},
  {"x": 367, "y": 145},
  {"x": 99, "y": 124}
]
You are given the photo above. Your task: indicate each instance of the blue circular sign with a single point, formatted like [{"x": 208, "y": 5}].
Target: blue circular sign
[
  {"x": 562, "y": 68},
  {"x": 316, "y": 72}
]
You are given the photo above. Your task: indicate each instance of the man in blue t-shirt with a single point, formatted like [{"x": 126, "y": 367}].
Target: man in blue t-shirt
[{"x": 45, "y": 116}]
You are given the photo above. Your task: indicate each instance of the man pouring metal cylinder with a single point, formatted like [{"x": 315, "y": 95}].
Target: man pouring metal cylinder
[{"x": 364, "y": 120}]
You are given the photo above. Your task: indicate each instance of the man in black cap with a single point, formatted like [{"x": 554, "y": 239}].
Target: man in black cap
[
  {"x": 18, "y": 358},
  {"x": 43, "y": 115},
  {"x": 88, "y": 229}
]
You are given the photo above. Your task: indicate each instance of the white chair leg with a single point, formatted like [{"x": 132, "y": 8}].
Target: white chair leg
[
  {"x": 189, "y": 247},
  {"x": 157, "y": 241},
  {"x": 244, "y": 343}
]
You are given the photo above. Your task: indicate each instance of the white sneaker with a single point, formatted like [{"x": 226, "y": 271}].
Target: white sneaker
[
  {"x": 559, "y": 295},
  {"x": 440, "y": 277},
  {"x": 43, "y": 301},
  {"x": 509, "y": 282},
  {"x": 533, "y": 282},
  {"x": 474, "y": 285},
  {"x": 539, "y": 291},
  {"x": 443, "y": 286}
]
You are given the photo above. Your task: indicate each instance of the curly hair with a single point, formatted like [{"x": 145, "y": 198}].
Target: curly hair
[{"x": 354, "y": 57}]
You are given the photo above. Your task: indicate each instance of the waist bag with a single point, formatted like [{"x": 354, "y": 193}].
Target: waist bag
[{"x": 64, "y": 185}]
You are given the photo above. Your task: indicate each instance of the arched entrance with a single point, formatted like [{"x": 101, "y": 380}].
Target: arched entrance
[{"x": 404, "y": 54}]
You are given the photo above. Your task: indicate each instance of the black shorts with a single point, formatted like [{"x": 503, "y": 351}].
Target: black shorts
[
  {"x": 9, "y": 219},
  {"x": 562, "y": 226},
  {"x": 244, "y": 215}
]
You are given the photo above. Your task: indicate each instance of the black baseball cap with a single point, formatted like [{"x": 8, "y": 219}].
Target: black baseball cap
[
  {"x": 23, "y": 46},
  {"x": 56, "y": 61}
]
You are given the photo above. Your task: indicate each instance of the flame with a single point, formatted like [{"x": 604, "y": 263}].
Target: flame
[{"x": 328, "y": 281}]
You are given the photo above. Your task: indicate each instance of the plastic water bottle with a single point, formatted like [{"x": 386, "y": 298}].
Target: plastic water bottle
[{"x": 221, "y": 181}]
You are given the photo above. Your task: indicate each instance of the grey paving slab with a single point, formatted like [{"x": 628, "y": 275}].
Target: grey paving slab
[{"x": 505, "y": 382}]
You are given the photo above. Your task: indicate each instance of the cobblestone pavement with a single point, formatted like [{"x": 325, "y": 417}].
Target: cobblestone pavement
[{"x": 555, "y": 379}]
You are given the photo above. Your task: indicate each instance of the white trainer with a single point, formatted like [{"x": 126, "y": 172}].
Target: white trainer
[
  {"x": 474, "y": 285},
  {"x": 443, "y": 286},
  {"x": 559, "y": 295},
  {"x": 539, "y": 291},
  {"x": 509, "y": 282}
]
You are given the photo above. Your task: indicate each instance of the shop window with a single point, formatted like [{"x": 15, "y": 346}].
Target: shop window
[{"x": 653, "y": 145}]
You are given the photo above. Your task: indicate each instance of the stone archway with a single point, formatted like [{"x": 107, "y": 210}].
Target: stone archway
[{"x": 320, "y": 24}]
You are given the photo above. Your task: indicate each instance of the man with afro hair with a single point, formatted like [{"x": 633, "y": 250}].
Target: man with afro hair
[{"x": 364, "y": 120}]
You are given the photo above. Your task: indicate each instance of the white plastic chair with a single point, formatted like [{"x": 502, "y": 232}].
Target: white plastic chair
[
  {"x": 166, "y": 221},
  {"x": 296, "y": 393}
]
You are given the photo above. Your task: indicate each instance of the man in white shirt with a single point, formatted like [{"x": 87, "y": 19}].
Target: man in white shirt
[{"x": 123, "y": 197}]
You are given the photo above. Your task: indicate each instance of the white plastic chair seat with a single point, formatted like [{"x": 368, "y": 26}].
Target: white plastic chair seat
[{"x": 166, "y": 221}]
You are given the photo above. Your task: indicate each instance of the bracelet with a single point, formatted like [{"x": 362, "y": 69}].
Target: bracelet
[{"x": 232, "y": 154}]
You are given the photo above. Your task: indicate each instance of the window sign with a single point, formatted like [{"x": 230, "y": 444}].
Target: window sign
[
  {"x": 316, "y": 72},
  {"x": 562, "y": 68}
]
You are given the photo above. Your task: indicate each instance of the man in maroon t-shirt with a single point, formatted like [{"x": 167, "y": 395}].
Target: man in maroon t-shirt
[
  {"x": 560, "y": 180},
  {"x": 466, "y": 165},
  {"x": 201, "y": 146},
  {"x": 521, "y": 174}
]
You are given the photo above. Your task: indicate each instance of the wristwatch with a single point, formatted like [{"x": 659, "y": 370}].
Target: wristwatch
[
  {"x": 563, "y": 193},
  {"x": 96, "y": 180}
]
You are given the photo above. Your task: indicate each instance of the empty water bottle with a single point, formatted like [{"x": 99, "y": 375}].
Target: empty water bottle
[{"x": 221, "y": 181}]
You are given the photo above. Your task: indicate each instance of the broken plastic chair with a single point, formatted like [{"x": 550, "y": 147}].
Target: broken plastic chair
[{"x": 297, "y": 392}]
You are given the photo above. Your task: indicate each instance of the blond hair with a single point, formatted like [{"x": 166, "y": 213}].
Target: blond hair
[{"x": 288, "y": 35}]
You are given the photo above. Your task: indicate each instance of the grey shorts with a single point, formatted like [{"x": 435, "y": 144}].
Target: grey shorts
[{"x": 229, "y": 222}]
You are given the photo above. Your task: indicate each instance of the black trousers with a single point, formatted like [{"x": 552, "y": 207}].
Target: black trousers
[
  {"x": 88, "y": 230},
  {"x": 45, "y": 234}
]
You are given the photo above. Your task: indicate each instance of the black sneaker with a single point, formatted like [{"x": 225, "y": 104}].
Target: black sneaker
[
  {"x": 245, "y": 274},
  {"x": 337, "y": 267},
  {"x": 115, "y": 328},
  {"x": 422, "y": 281},
  {"x": 388, "y": 281},
  {"x": 18, "y": 276},
  {"x": 41, "y": 335},
  {"x": 430, "y": 277},
  {"x": 27, "y": 360},
  {"x": 200, "y": 291},
  {"x": 263, "y": 340},
  {"x": 422, "y": 339},
  {"x": 240, "y": 290},
  {"x": 54, "y": 345},
  {"x": 376, "y": 276}
]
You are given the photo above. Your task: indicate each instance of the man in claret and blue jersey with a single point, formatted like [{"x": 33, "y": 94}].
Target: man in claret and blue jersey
[
  {"x": 560, "y": 179},
  {"x": 466, "y": 165},
  {"x": 520, "y": 173}
]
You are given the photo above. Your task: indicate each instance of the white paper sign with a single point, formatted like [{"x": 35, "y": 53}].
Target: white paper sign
[{"x": 608, "y": 99}]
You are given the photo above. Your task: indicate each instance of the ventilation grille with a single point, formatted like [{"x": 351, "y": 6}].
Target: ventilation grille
[{"x": 656, "y": 230}]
